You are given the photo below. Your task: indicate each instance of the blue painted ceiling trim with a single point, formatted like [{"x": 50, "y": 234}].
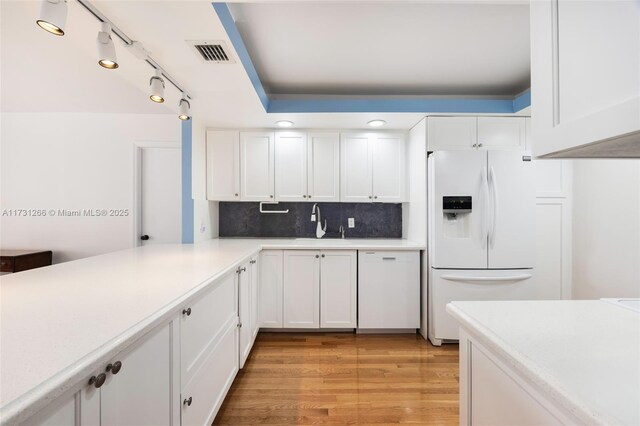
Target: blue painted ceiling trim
[
  {"x": 326, "y": 105},
  {"x": 236, "y": 39}
]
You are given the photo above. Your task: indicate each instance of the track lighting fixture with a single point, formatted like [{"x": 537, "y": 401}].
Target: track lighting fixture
[
  {"x": 106, "y": 48},
  {"x": 53, "y": 16},
  {"x": 185, "y": 107},
  {"x": 156, "y": 85}
]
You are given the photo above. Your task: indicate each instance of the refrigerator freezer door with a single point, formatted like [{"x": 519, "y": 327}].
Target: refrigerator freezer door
[
  {"x": 512, "y": 206},
  {"x": 458, "y": 240},
  {"x": 458, "y": 285}
]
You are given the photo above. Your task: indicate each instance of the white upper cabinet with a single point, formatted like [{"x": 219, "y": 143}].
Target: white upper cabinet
[
  {"x": 372, "y": 167},
  {"x": 291, "y": 166},
  {"x": 356, "y": 167},
  {"x": 257, "y": 161},
  {"x": 502, "y": 132},
  {"x": 453, "y": 133},
  {"x": 585, "y": 83},
  {"x": 323, "y": 165},
  {"x": 389, "y": 174},
  {"x": 223, "y": 165},
  {"x": 447, "y": 133}
]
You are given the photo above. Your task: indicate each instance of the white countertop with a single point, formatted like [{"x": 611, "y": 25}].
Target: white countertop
[
  {"x": 59, "y": 323},
  {"x": 585, "y": 354}
]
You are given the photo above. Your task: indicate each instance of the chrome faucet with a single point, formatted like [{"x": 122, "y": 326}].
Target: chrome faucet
[
  {"x": 315, "y": 217},
  {"x": 341, "y": 231}
]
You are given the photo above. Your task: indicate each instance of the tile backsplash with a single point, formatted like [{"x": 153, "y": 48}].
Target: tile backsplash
[{"x": 372, "y": 220}]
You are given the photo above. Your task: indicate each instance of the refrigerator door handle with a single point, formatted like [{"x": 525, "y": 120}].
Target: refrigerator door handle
[
  {"x": 484, "y": 237},
  {"x": 493, "y": 189},
  {"x": 461, "y": 278}
]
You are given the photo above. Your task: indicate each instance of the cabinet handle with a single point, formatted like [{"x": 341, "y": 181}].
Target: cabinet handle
[
  {"x": 236, "y": 194},
  {"x": 115, "y": 367},
  {"x": 186, "y": 312},
  {"x": 388, "y": 258},
  {"x": 323, "y": 255},
  {"x": 304, "y": 196},
  {"x": 187, "y": 401},
  {"x": 309, "y": 196},
  {"x": 475, "y": 145},
  {"x": 370, "y": 197},
  {"x": 98, "y": 380},
  {"x": 243, "y": 269},
  {"x": 317, "y": 256},
  {"x": 270, "y": 196},
  {"x": 375, "y": 196}
]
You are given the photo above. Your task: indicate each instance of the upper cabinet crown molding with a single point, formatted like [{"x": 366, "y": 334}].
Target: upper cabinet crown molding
[{"x": 585, "y": 84}]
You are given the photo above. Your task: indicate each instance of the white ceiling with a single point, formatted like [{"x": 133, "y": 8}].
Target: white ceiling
[
  {"x": 41, "y": 72},
  {"x": 392, "y": 48}
]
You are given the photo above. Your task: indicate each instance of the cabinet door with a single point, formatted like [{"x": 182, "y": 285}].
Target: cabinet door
[
  {"x": 447, "y": 133},
  {"x": 291, "y": 166},
  {"x": 270, "y": 292},
  {"x": 301, "y": 289},
  {"x": 61, "y": 412},
  {"x": 577, "y": 45},
  {"x": 502, "y": 133},
  {"x": 203, "y": 322},
  {"x": 223, "y": 165},
  {"x": 140, "y": 393},
  {"x": 254, "y": 278},
  {"x": 257, "y": 166},
  {"x": 323, "y": 167},
  {"x": 356, "y": 168},
  {"x": 338, "y": 277},
  {"x": 389, "y": 173},
  {"x": 244, "y": 311}
]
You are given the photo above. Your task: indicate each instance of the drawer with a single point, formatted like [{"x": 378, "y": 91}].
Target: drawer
[
  {"x": 212, "y": 381},
  {"x": 206, "y": 323}
]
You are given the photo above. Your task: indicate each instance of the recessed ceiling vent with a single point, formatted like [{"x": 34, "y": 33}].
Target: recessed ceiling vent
[{"x": 212, "y": 52}]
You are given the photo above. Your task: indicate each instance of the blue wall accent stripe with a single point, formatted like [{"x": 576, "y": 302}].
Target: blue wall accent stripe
[
  {"x": 187, "y": 199},
  {"x": 523, "y": 101},
  {"x": 458, "y": 105},
  {"x": 327, "y": 105},
  {"x": 236, "y": 39}
]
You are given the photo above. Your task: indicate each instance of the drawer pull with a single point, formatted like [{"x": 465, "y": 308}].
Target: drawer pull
[
  {"x": 186, "y": 312},
  {"x": 115, "y": 367},
  {"x": 187, "y": 401},
  {"x": 388, "y": 258},
  {"x": 98, "y": 380}
]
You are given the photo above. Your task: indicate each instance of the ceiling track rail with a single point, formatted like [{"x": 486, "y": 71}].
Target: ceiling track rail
[{"x": 129, "y": 41}]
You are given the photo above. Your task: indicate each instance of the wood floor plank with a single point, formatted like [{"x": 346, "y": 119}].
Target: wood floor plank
[{"x": 344, "y": 379}]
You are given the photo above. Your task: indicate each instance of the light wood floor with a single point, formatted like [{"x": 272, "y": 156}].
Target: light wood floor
[{"x": 344, "y": 378}]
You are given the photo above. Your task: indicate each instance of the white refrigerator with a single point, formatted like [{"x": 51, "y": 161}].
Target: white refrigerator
[{"x": 481, "y": 229}]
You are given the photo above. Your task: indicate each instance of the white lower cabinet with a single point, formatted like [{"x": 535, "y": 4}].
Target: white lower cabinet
[
  {"x": 247, "y": 307},
  {"x": 59, "y": 413},
  {"x": 254, "y": 279},
  {"x": 204, "y": 395},
  {"x": 492, "y": 393},
  {"x": 338, "y": 288},
  {"x": 301, "y": 289},
  {"x": 270, "y": 289}
]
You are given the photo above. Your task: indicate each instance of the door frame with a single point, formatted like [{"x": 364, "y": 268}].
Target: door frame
[{"x": 138, "y": 146}]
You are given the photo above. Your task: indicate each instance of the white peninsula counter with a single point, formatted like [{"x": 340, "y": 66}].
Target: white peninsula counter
[{"x": 548, "y": 362}]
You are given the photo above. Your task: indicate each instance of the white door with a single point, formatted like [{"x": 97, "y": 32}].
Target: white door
[
  {"x": 257, "y": 166},
  {"x": 244, "y": 311},
  {"x": 140, "y": 393},
  {"x": 338, "y": 278},
  {"x": 223, "y": 165},
  {"x": 291, "y": 166},
  {"x": 323, "y": 167},
  {"x": 160, "y": 215},
  {"x": 512, "y": 220},
  {"x": 270, "y": 290},
  {"x": 502, "y": 133},
  {"x": 451, "y": 133},
  {"x": 389, "y": 173},
  {"x": 356, "y": 168},
  {"x": 301, "y": 289},
  {"x": 459, "y": 239}
]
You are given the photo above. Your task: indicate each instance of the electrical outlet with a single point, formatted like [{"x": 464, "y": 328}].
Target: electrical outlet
[{"x": 351, "y": 222}]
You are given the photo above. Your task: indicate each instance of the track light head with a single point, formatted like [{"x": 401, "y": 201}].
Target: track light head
[
  {"x": 106, "y": 48},
  {"x": 53, "y": 16},
  {"x": 156, "y": 84},
  {"x": 185, "y": 107}
]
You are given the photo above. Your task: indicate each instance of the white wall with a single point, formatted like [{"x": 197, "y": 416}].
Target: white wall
[
  {"x": 205, "y": 220},
  {"x": 606, "y": 229},
  {"x": 414, "y": 213},
  {"x": 70, "y": 161}
]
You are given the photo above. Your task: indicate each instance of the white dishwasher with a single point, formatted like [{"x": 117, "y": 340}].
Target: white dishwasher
[{"x": 388, "y": 289}]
